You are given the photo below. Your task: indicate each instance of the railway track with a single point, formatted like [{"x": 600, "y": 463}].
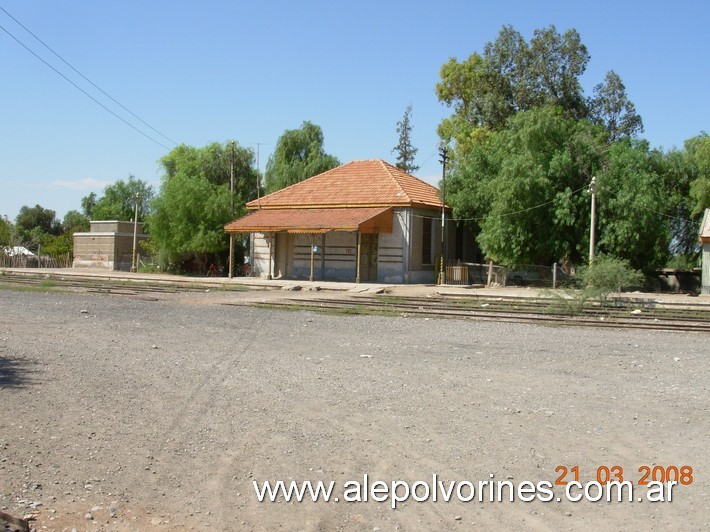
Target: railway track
[
  {"x": 517, "y": 311},
  {"x": 688, "y": 317},
  {"x": 99, "y": 285}
]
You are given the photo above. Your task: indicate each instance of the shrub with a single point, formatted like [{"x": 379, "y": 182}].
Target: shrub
[{"x": 607, "y": 275}]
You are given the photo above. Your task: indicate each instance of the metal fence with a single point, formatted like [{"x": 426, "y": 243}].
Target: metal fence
[{"x": 489, "y": 274}]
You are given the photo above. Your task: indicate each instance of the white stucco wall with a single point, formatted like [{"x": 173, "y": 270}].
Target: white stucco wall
[{"x": 398, "y": 253}]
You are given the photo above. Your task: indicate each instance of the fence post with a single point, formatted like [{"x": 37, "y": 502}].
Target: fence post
[{"x": 554, "y": 275}]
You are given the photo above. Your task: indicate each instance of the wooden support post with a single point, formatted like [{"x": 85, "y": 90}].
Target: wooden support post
[
  {"x": 359, "y": 255},
  {"x": 310, "y": 278},
  {"x": 271, "y": 254},
  {"x": 322, "y": 257}
]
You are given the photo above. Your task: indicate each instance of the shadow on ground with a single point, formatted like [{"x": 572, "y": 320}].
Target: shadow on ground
[{"x": 16, "y": 372}]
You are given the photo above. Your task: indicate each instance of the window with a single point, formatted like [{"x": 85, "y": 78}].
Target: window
[{"x": 426, "y": 240}]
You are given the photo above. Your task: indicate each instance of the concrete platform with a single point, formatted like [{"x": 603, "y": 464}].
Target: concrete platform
[{"x": 412, "y": 290}]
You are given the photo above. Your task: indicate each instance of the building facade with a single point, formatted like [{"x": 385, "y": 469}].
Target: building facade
[
  {"x": 705, "y": 243},
  {"x": 108, "y": 245},
  {"x": 365, "y": 221}
]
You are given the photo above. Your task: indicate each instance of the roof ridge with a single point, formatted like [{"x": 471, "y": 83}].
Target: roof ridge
[
  {"x": 389, "y": 169},
  {"x": 358, "y": 182}
]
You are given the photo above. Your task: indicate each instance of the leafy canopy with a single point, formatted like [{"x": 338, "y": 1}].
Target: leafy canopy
[
  {"x": 511, "y": 76},
  {"x": 34, "y": 224},
  {"x": 118, "y": 200},
  {"x": 526, "y": 193},
  {"x": 299, "y": 154},
  {"x": 194, "y": 202}
]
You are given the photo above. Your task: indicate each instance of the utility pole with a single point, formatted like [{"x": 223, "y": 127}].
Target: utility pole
[
  {"x": 592, "y": 231},
  {"x": 134, "y": 262},
  {"x": 444, "y": 157},
  {"x": 231, "y": 200}
]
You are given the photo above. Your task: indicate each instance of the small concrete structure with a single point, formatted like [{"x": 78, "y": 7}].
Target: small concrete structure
[
  {"x": 705, "y": 243},
  {"x": 108, "y": 244}
]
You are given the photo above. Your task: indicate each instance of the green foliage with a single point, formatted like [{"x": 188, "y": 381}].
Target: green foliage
[
  {"x": 214, "y": 163},
  {"x": 405, "y": 151},
  {"x": 189, "y": 216},
  {"x": 58, "y": 246},
  {"x": 608, "y": 275},
  {"x": 611, "y": 107},
  {"x": 194, "y": 202},
  {"x": 684, "y": 262},
  {"x": 118, "y": 200},
  {"x": 698, "y": 154},
  {"x": 511, "y": 76},
  {"x": 75, "y": 222},
  {"x": 299, "y": 154},
  {"x": 6, "y": 230},
  {"x": 87, "y": 205},
  {"x": 523, "y": 183},
  {"x": 34, "y": 225},
  {"x": 631, "y": 200}
]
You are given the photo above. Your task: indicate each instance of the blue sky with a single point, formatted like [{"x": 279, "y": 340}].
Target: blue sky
[{"x": 217, "y": 70}]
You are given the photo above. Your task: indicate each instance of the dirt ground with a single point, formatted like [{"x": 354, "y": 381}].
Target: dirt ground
[{"x": 128, "y": 413}]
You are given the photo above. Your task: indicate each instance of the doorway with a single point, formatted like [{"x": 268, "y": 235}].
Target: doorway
[{"x": 368, "y": 257}]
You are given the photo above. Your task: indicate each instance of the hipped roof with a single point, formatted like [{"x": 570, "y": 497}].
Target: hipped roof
[{"x": 355, "y": 184}]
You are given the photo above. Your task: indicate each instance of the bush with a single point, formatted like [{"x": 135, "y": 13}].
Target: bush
[{"x": 608, "y": 275}]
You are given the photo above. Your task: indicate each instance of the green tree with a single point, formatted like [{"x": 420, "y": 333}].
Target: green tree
[
  {"x": 193, "y": 205},
  {"x": 511, "y": 76},
  {"x": 117, "y": 201},
  {"x": 33, "y": 224},
  {"x": 631, "y": 200},
  {"x": 188, "y": 218},
  {"x": 87, "y": 205},
  {"x": 611, "y": 107},
  {"x": 523, "y": 187},
  {"x": 698, "y": 153},
  {"x": 404, "y": 149},
  {"x": 299, "y": 154},
  {"x": 74, "y": 222},
  {"x": 214, "y": 163},
  {"x": 6, "y": 230},
  {"x": 678, "y": 175}
]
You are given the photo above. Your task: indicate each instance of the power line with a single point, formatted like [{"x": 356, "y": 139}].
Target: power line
[{"x": 82, "y": 90}]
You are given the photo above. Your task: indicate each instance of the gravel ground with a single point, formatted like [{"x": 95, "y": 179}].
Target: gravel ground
[{"x": 123, "y": 413}]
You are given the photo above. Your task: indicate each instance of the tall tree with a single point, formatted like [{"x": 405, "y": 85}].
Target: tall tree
[
  {"x": 611, "y": 107},
  {"x": 193, "y": 204},
  {"x": 405, "y": 151},
  {"x": 698, "y": 155},
  {"x": 117, "y": 201},
  {"x": 188, "y": 218},
  {"x": 74, "y": 221},
  {"x": 33, "y": 224},
  {"x": 5, "y": 231},
  {"x": 631, "y": 204},
  {"x": 88, "y": 203},
  {"x": 523, "y": 186},
  {"x": 299, "y": 154},
  {"x": 511, "y": 76}
]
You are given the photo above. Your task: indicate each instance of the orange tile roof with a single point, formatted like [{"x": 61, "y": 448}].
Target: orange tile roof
[
  {"x": 363, "y": 219},
  {"x": 358, "y": 183}
]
